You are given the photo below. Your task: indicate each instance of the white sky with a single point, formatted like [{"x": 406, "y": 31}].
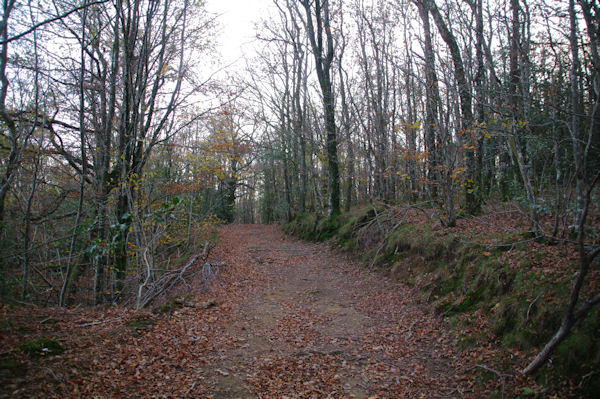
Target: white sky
[{"x": 237, "y": 19}]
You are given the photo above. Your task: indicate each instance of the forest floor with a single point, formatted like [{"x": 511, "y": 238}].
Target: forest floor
[{"x": 290, "y": 320}]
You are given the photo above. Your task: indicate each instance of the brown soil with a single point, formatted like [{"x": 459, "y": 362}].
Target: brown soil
[
  {"x": 292, "y": 320},
  {"x": 319, "y": 326}
]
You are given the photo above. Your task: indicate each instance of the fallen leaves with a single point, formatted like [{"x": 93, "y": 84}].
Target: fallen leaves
[{"x": 284, "y": 319}]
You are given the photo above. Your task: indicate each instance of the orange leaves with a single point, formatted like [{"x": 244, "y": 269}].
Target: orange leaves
[
  {"x": 292, "y": 320},
  {"x": 176, "y": 188}
]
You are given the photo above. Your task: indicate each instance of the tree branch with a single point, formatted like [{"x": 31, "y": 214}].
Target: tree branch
[{"x": 50, "y": 20}]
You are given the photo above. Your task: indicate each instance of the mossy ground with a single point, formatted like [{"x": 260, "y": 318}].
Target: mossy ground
[
  {"x": 172, "y": 304},
  {"x": 41, "y": 346},
  {"x": 504, "y": 276},
  {"x": 141, "y": 322},
  {"x": 11, "y": 367}
]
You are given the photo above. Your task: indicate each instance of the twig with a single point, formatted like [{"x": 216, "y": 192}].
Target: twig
[
  {"x": 35, "y": 269},
  {"x": 50, "y": 20},
  {"x": 190, "y": 389},
  {"x": 377, "y": 218},
  {"x": 530, "y": 306},
  {"x": 171, "y": 278},
  {"x": 53, "y": 375},
  {"x": 496, "y": 372},
  {"x": 363, "y": 386},
  {"x": 376, "y": 254},
  {"x": 403, "y": 377},
  {"x": 22, "y": 302},
  {"x": 8, "y": 352},
  {"x": 46, "y": 319},
  {"x": 585, "y": 377},
  {"x": 97, "y": 322}
]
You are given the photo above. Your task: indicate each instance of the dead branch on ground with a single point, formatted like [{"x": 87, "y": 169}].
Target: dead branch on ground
[{"x": 171, "y": 278}]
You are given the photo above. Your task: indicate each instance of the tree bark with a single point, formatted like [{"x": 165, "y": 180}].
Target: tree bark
[
  {"x": 464, "y": 91},
  {"x": 323, "y": 61},
  {"x": 516, "y": 110}
]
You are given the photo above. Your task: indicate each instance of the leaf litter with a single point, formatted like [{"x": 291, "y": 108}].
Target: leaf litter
[{"x": 289, "y": 319}]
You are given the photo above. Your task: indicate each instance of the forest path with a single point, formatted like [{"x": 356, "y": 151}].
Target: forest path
[
  {"x": 290, "y": 320},
  {"x": 315, "y": 325}
]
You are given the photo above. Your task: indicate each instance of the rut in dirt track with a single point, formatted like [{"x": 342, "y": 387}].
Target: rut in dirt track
[{"x": 313, "y": 324}]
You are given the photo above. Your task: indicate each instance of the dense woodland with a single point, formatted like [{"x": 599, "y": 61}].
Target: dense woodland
[{"x": 121, "y": 144}]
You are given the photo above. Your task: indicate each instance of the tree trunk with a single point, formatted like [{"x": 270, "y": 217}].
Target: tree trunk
[
  {"x": 589, "y": 177},
  {"x": 473, "y": 204},
  {"x": 323, "y": 60},
  {"x": 478, "y": 134},
  {"x": 432, "y": 103},
  {"x": 516, "y": 108}
]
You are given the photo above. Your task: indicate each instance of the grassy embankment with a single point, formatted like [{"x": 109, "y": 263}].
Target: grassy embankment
[{"x": 486, "y": 277}]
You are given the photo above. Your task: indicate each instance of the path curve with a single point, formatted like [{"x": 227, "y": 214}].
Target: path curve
[{"x": 312, "y": 324}]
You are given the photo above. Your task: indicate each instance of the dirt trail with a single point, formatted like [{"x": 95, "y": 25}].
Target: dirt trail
[
  {"x": 292, "y": 320},
  {"x": 319, "y": 326}
]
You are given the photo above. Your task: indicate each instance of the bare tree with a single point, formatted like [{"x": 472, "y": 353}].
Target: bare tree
[
  {"x": 464, "y": 90},
  {"x": 321, "y": 41},
  {"x": 16, "y": 135},
  {"x": 346, "y": 125},
  {"x": 516, "y": 110},
  {"x": 440, "y": 154},
  {"x": 586, "y": 174}
]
